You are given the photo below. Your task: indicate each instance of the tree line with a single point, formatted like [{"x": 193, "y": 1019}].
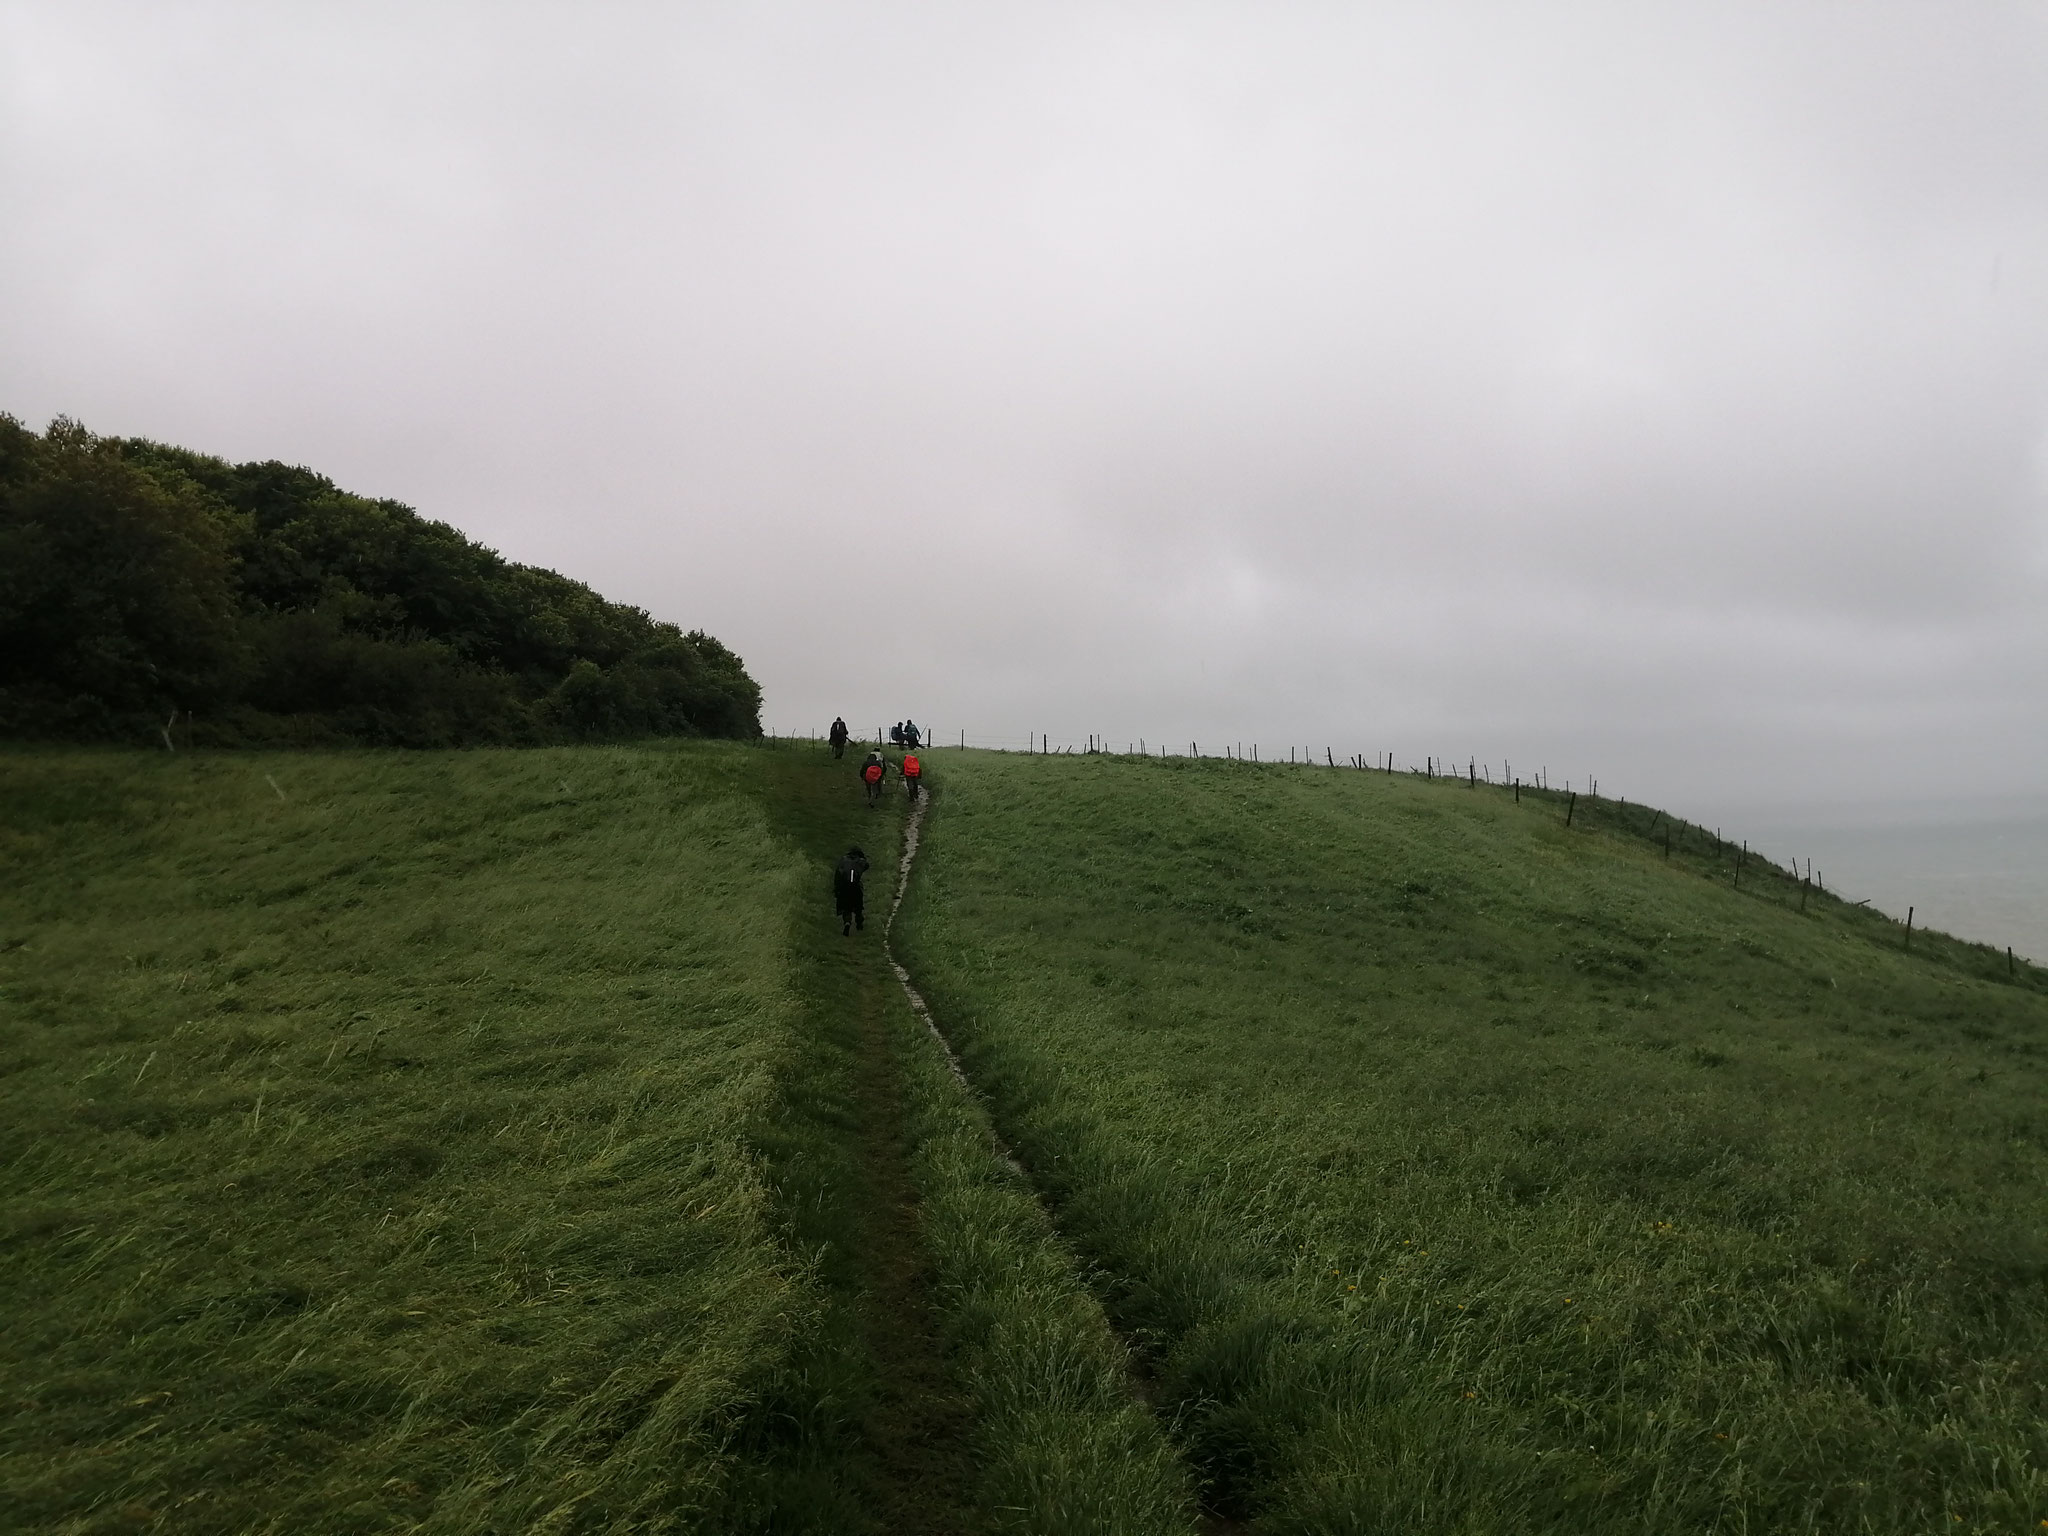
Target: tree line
[{"x": 260, "y": 604}]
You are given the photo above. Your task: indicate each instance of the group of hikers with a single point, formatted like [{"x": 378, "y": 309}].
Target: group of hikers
[
  {"x": 875, "y": 768},
  {"x": 903, "y": 734},
  {"x": 848, "y": 897}
]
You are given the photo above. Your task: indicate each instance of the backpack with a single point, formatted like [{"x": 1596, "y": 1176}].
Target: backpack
[
  {"x": 872, "y": 773},
  {"x": 910, "y": 768}
]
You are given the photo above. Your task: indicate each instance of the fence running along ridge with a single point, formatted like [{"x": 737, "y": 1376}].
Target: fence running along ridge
[{"x": 1688, "y": 844}]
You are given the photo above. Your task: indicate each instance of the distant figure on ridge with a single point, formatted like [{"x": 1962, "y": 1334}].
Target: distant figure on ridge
[
  {"x": 871, "y": 774},
  {"x": 848, "y": 897},
  {"x": 896, "y": 734},
  {"x": 837, "y": 736},
  {"x": 912, "y": 771},
  {"x": 910, "y": 736}
]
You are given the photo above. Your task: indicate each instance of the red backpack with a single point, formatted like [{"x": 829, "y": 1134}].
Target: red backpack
[
  {"x": 872, "y": 773},
  {"x": 910, "y": 768}
]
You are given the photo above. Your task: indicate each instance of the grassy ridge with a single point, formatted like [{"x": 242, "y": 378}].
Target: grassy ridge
[
  {"x": 379, "y": 1138},
  {"x": 1006, "y": 1403},
  {"x": 1462, "y": 1171}
]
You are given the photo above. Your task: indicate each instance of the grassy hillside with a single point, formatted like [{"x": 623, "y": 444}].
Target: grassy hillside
[
  {"x": 507, "y": 1141},
  {"x": 1459, "y": 1170},
  {"x": 379, "y": 1143}
]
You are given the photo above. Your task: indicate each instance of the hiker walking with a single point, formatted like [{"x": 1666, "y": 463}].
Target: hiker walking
[
  {"x": 848, "y": 898},
  {"x": 837, "y": 736},
  {"x": 872, "y": 772},
  {"x": 910, "y": 736},
  {"x": 913, "y": 774}
]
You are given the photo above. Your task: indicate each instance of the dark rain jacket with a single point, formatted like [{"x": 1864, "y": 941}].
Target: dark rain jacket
[{"x": 847, "y": 893}]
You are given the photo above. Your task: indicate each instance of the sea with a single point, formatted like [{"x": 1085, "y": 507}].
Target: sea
[{"x": 1974, "y": 869}]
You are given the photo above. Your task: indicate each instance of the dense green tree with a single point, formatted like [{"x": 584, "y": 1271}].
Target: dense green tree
[
  {"x": 117, "y": 586},
  {"x": 137, "y": 578}
]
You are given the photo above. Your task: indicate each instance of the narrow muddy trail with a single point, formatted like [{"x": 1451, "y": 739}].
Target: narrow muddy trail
[
  {"x": 918, "y": 1421},
  {"x": 911, "y": 830},
  {"x": 1141, "y": 1388},
  {"x": 890, "y": 1427},
  {"x": 908, "y": 1456}
]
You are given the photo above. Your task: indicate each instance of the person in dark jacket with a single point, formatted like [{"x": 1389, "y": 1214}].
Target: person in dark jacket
[
  {"x": 837, "y": 736},
  {"x": 911, "y": 738},
  {"x": 872, "y": 772},
  {"x": 847, "y": 895},
  {"x": 896, "y": 734}
]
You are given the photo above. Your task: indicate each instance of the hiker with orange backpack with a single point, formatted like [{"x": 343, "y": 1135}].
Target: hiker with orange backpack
[
  {"x": 913, "y": 774},
  {"x": 872, "y": 772}
]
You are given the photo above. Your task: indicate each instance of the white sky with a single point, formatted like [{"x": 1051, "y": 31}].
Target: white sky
[{"x": 1657, "y": 392}]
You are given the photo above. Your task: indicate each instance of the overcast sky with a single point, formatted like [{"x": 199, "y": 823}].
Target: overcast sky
[{"x": 1657, "y": 392}]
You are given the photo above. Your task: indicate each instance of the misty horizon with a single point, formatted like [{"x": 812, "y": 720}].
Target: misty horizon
[{"x": 1660, "y": 398}]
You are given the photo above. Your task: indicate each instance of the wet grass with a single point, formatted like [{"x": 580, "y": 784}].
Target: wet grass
[
  {"x": 508, "y": 1141},
  {"x": 1458, "y": 1170},
  {"x": 1008, "y": 1387},
  {"x": 379, "y": 1139}
]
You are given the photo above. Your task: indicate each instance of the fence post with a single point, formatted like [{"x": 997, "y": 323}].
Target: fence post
[
  {"x": 1909, "y": 927},
  {"x": 1573, "y": 806}
]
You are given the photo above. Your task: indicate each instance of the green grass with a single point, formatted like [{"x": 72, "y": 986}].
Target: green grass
[
  {"x": 1067, "y": 1447},
  {"x": 1455, "y": 1170},
  {"x": 508, "y": 1141},
  {"x": 1008, "y": 1380},
  {"x": 379, "y": 1145}
]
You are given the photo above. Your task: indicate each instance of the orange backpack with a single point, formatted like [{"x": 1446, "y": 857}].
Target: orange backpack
[{"x": 910, "y": 768}]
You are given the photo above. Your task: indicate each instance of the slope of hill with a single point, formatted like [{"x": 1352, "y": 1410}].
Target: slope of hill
[
  {"x": 148, "y": 589},
  {"x": 1458, "y": 1169},
  {"x": 508, "y": 1141}
]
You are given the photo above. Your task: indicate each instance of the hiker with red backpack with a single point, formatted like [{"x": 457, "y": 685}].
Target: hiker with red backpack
[
  {"x": 913, "y": 774},
  {"x": 872, "y": 772}
]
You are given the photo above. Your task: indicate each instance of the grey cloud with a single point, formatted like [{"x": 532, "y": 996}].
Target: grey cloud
[{"x": 1664, "y": 394}]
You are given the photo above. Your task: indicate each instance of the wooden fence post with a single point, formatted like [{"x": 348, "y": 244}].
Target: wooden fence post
[
  {"x": 1909, "y": 927},
  {"x": 1573, "y": 806}
]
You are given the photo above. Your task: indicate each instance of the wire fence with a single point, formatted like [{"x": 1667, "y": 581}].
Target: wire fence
[
  {"x": 1044, "y": 744},
  {"x": 1578, "y": 802}
]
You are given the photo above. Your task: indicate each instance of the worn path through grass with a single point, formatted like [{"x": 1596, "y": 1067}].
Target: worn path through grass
[
  {"x": 1002, "y": 1399},
  {"x": 508, "y": 1141}
]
